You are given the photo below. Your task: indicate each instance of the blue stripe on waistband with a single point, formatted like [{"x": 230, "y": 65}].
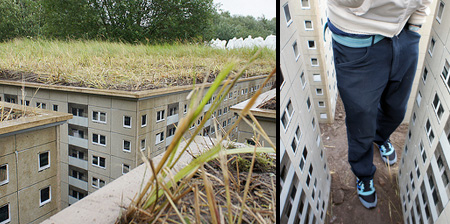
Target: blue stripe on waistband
[{"x": 355, "y": 42}]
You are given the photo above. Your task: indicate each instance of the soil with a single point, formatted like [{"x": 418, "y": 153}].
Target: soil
[
  {"x": 344, "y": 206},
  {"x": 144, "y": 84},
  {"x": 269, "y": 104}
]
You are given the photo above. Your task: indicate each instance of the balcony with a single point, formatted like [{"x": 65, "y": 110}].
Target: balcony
[
  {"x": 78, "y": 183},
  {"x": 169, "y": 140},
  {"x": 83, "y": 164},
  {"x": 172, "y": 119},
  {"x": 80, "y": 121},
  {"x": 206, "y": 108},
  {"x": 80, "y": 142},
  {"x": 72, "y": 200}
]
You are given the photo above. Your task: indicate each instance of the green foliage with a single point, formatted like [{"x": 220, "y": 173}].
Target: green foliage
[
  {"x": 227, "y": 27},
  {"x": 19, "y": 18}
]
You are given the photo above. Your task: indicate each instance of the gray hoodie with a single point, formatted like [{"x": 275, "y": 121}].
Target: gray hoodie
[{"x": 383, "y": 17}]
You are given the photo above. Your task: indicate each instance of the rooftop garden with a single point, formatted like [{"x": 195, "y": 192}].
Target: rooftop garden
[{"x": 121, "y": 66}]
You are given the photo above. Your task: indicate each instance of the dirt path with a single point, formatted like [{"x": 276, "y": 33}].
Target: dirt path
[{"x": 345, "y": 206}]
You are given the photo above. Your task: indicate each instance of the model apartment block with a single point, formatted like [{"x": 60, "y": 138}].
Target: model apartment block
[
  {"x": 424, "y": 170},
  {"x": 110, "y": 129},
  {"x": 304, "y": 178}
]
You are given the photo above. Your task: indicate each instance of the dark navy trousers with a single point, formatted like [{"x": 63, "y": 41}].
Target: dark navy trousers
[{"x": 374, "y": 83}]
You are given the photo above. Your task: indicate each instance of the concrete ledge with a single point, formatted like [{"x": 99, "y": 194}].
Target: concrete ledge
[
  {"x": 103, "y": 206},
  {"x": 41, "y": 117}
]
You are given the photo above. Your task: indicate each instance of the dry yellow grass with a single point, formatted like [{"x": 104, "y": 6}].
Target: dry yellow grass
[{"x": 107, "y": 65}]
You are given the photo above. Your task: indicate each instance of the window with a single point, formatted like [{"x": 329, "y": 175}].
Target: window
[
  {"x": 10, "y": 98},
  {"x": 126, "y": 122},
  {"x": 27, "y": 102},
  {"x": 287, "y": 115},
  {"x": 442, "y": 171},
  {"x": 321, "y": 104},
  {"x": 41, "y": 105},
  {"x": 44, "y": 160},
  {"x": 230, "y": 95},
  {"x": 429, "y": 131},
  {"x": 45, "y": 196},
  {"x": 417, "y": 168},
  {"x": 144, "y": 120},
  {"x": 414, "y": 119},
  {"x": 303, "y": 159},
  {"x": 308, "y": 25},
  {"x": 431, "y": 47},
  {"x": 125, "y": 168},
  {"x": 422, "y": 152},
  {"x": 99, "y": 116},
  {"x": 295, "y": 48},
  {"x": 305, "y": 4},
  {"x": 317, "y": 78},
  {"x": 311, "y": 44},
  {"x": 173, "y": 111},
  {"x": 437, "y": 106},
  {"x": 303, "y": 80},
  {"x": 143, "y": 144},
  {"x": 319, "y": 91},
  {"x": 99, "y": 161},
  {"x": 4, "y": 174},
  {"x": 313, "y": 123},
  {"x": 287, "y": 14},
  {"x": 159, "y": 137},
  {"x": 76, "y": 153},
  {"x": 225, "y": 110},
  {"x": 419, "y": 98},
  {"x": 126, "y": 146},
  {"x": 220, "y": 112},
  {"x": 185, "y": 108},
  {"x": 308, "y": 103},
  {"x": 424, "y": 75},
  {"x": 445, "y": 75},
  {"x": 296, "y": 140},
  {"x": 5, "y": 216},
  {"x": 97, "y": 183},
  {"x": 310, "y": 171},
  {"x": 171, "y": 131},
  {"x": 314, "y": 62},
  {"x": 77, "y": 112},
  {"x": 99, "y": 139},
  {"x": 160, "y": 115},
  {"x": 224, "y": 123},
  {"x": 411, "y": 178},
  {"x": 440, "y": 11},
  {"x": 55, "y": 107},
  {"x": 323, "y": 116}
]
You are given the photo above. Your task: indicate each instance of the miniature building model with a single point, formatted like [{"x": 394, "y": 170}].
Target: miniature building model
[
  {"x": 29, "y": 151},
  {"x": 264, "y": 113},
  {"x": 304, "y": 178},
  {"x": 424, "y": 170},
  {"x": 101, "y": 142}
]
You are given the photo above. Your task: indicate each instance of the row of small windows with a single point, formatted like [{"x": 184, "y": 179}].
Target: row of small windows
[{"x": 45, "y": 196}]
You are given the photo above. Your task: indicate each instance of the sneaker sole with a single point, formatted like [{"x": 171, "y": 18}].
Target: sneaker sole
[{"x": 367, "y": 204}]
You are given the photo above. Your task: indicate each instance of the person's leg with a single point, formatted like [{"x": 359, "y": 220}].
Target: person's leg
[
  {"x": 362, "y": 75},
  {"x": 394, "y": 100}
]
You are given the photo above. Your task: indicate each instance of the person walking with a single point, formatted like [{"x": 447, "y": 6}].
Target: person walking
[{"x": 375, "y": 47}]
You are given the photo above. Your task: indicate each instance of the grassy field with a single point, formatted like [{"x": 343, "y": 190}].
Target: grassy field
[{"x": 121, "y": 66}]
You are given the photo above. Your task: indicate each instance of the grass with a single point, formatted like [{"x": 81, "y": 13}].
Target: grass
[
  {"x": 232, "y": 198},
  {"x": 122, "y": 66}
]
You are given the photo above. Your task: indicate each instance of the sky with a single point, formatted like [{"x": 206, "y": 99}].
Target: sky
[{"x": 255, "y": 8}]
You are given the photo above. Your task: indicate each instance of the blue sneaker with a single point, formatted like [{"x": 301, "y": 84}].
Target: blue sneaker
[
  {"x": 366, "y": 193},
  {"x": 387, "y": 153}
]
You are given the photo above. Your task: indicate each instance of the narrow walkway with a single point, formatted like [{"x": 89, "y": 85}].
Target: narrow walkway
[{"x": 345, "y": 206}]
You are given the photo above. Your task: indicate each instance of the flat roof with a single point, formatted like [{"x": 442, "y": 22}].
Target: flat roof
[
  {"x": 260, "y": 100},
  {"x": 117, "y": 93},
  {"x": 39, "y": 117},
  {"x": 122, "y": 66}
]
